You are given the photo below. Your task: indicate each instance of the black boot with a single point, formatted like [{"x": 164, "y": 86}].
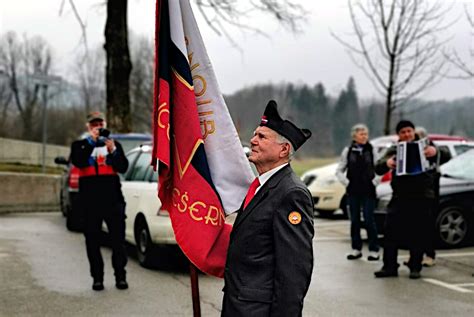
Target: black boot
[
  {"x": 98, "y": 285},
  {"x": 414, "y": 275},
  {"x": 386, "y": 273},
  {"x": 121, "y": 283}
]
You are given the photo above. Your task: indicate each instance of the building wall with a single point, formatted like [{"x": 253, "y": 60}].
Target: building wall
[
  {"x": 29, "y": 192},
  {"x": 25, "y": 152}
]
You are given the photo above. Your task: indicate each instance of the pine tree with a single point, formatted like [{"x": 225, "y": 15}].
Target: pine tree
[
  {"x": 352, "y": 102},
  {"x": 322, "y": 122},
  {"x": 345, "y": 115},
  {"x": 374, "y": 119}
]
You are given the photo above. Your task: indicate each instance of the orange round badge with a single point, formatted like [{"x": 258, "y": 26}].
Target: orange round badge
[{"x": 294, "y": 217}]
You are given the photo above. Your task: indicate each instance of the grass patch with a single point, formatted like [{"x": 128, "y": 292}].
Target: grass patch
[
  {"x": 25, "y": 168},
  {"x": 302, "y": 165}
]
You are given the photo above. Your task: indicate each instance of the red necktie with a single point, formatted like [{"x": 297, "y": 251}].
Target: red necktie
[{"x": 253, "y": 187}]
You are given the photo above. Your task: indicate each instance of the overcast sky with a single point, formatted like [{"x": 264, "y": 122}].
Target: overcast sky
[{"x": 310, "y": 57}]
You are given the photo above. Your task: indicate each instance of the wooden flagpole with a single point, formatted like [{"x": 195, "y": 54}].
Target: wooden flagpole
[{"x": 193, "y": 273}]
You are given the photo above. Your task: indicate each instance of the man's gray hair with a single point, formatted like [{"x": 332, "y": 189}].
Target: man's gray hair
[
  {"x": 358, "y": 127},
  {"x": 422, "y": 133},
  {"x": 281, "y": 139}
]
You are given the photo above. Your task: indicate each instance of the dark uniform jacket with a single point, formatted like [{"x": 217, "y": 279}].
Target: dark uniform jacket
[
  {"x": 98, "y": 178},
  {"x": 420, "y": 185},
  {"x": 270, "y": 259},
  {"x": 358, "y": 161}
]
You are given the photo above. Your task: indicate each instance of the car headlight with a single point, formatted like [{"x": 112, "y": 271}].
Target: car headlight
[
  {"x": 163, "y": 213},
  {"x": 309, "y": 179}
]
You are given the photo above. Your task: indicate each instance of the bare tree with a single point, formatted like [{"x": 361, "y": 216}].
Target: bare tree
[
  {"x": 64, "y": 127},
  {"x": 5, "y": 99},
  {"x": 141, "y": 82},
  {"x": 399, "y": 45},
  {"x": 220, "y": 13},
  {"x": 89, "y": 69},
  {"x": 465, "y": 69},
  {"x": 119, "y": 66},
  {"x": 21, "y": 61}
]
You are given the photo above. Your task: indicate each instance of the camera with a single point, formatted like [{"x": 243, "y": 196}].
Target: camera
[{"x": 104, "y": 133}]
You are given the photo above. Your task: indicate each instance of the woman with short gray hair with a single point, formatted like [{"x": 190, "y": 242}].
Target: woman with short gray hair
[{"x": 356, "y": 171}]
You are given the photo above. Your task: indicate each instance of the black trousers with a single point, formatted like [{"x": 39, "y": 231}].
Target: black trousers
[
  {"x": 430, "y": 251},
  {"x": 408, "y": 225},
  {"x": 114, "y": 217}
]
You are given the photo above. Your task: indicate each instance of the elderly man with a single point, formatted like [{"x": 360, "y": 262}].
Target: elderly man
[
  {"x": 409, "y": 212},
  {"x": 99, "y": 160},
  {"x": 270, "y": 257}
]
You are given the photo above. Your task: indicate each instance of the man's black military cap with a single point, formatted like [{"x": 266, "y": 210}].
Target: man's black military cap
[{"x": 272, "y": 119}]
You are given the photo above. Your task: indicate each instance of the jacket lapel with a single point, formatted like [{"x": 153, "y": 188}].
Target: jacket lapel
[{"x": 261, "y": 194}]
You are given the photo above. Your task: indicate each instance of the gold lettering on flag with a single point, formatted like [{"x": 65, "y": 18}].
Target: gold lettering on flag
[
  {"x": 163, "y": 110},
  {"x": 198, "y": 210},
  {"x": 200, "y": 87}
]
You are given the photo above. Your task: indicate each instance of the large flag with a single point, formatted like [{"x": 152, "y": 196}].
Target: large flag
[{"x": 203, "y": 171}]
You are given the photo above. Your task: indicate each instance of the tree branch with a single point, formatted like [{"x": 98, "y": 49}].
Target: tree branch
[{"x": 82, "y": 25}]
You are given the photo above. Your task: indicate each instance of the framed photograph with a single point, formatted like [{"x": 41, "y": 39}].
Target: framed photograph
[{"x": 411, "y": 159}]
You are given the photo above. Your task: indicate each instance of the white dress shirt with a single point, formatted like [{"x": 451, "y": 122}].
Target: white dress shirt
[{"x": 266, "y": 176}]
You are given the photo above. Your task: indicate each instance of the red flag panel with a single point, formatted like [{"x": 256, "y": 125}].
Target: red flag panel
[{"x": 185, "y": 185}]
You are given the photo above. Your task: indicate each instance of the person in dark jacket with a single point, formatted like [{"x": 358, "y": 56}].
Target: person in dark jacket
[
  {"x": 356, "y": 171},
  {"x": 99, "y": 160},
  {"x": 270, "y": 256},
  {"x": 409, "y": 211},
  {"x": 429, "y": 259}
]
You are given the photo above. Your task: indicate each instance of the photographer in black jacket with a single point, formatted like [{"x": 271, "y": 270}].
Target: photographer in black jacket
[
  {"x": 99, "y": 159},
  {"x": 410, "y": 209}
]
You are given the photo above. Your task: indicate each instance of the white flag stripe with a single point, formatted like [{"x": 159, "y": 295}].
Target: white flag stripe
[
  {"x": 230, "y": 169},
  {"x": 176, "y": 26}
]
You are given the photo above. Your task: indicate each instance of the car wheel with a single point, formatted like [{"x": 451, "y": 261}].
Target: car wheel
[
  {"x": 452, "y": 227},
  {"x": 343, "y": 206},
  {"x": 62, "y": 204},
  {"x": 146, "y": 249},
  {"x": 75, "y": 219},
  {"x": 73, "y": 222}
]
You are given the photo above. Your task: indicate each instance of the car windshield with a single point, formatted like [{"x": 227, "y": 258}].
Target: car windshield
[
  {"x": 130, "y": 144},
  {"x": 461, "y": 166}
]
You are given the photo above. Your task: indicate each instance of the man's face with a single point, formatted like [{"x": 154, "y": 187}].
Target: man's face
[
  {"x": 94, "y": 126},
  {"x": 265, "y": 149},
  {"x": 406, "y": 134}
]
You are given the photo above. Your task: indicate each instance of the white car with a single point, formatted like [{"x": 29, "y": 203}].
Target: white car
[
  {"x": 329, "y": 194},
  {"x": 146, "y": 225}
]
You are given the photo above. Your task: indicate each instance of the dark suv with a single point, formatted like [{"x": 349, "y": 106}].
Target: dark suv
[{"x": 70, "y": 180}]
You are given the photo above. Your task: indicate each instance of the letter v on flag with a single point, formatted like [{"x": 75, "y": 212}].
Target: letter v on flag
[{"x": 203, "y": 171}]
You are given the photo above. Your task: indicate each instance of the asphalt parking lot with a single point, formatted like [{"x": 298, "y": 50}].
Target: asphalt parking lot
[{"x": 44, "y": 272}]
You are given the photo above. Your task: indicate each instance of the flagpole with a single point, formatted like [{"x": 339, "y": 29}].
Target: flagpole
[{"x": 193, "y": 273}]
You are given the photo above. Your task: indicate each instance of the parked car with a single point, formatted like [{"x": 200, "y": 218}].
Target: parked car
[
  {"x": 329, "y": 194},
  {"x": 147, "y": 226},
  {"x": 455, "y": 213},
  {"x": 70, "y": 180}
]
